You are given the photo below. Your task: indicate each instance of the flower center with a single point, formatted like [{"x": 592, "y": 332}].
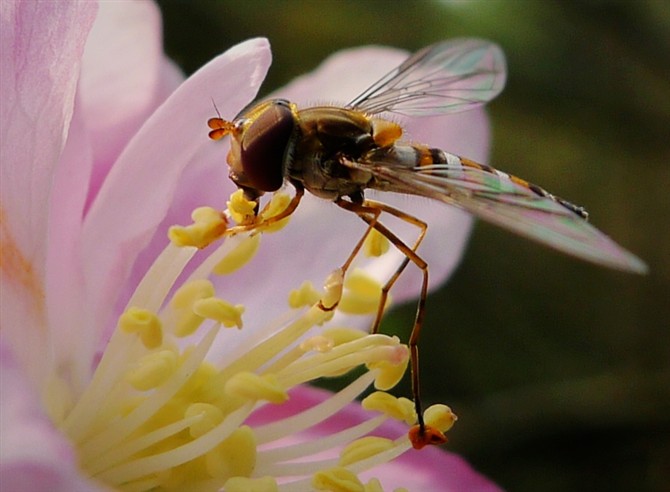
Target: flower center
[{"x": 159, "y": 414}]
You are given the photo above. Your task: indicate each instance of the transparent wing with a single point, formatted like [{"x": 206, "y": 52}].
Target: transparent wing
[
  {"x": 510, "y": 203},
  {"x": 446, "y": 77}
]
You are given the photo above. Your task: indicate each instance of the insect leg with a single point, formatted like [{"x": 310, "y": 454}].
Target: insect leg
[
  {"x": 371, "y": 220},
  {"x": 369, "y": 212},
  {"x": 382, "y": 207},
  {"x": 293, "y": 204}
]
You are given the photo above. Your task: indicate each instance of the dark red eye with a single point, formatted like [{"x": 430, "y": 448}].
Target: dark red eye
[{"x": 264, "y": 145}]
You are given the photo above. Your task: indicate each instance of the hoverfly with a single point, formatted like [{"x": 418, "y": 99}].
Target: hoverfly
[{"x": 336, "y": 153}]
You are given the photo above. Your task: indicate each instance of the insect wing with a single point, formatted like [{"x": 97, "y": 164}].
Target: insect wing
[
  {"x": 496, "y": 198},
  {"x": 446, "y": 77}
]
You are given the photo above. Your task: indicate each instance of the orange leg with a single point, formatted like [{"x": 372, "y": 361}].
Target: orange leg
[{"x": 369, "y": 212}]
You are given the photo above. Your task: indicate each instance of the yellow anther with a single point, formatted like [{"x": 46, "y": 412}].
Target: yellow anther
[
  {"x": 208, "y": 225},
  {"x": 210, "y": 417},
  {"x": 277, "y": 205},
  {"x": 305, "y": 295},
  {"x": 392, "y": 370},
  {"x": 254, "y": 387},
  {"x": 240, "y": 209},
  {"x": 333, "y": 289},
  {"x": 244, "y": 484},
  {"x": 227, "y": 314},
  {"x": 236, "y": 456},
  {"x": 376, "y": 244},
  {"x": 337, "y": 480},
  {"x": 440, "y": 416},
  {"x": 364, "y": 448},
  {"x": 362, "y": 294},
  {"x": 145, "y": 323},
  {"x": 238, "y": 257},
  {"x": 190, "y": 292},
  {"x": 201, "y": 385},
  {"x": 353, "y": 304},
  {"x": 362, "y": 284},
  {"x": 389, "y": 405},
  {"x": 374, "y": 485},
  {"x": 183, "y": 302},
  {"x": 153, "y": 369}
]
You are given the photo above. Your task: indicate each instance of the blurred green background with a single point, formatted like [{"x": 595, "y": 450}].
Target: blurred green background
[{"x": 560, "y": 370}]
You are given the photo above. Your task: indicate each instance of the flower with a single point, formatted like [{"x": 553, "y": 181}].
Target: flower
[{"x": 117, "y": 368}]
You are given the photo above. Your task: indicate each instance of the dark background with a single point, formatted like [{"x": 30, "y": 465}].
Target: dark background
[{"x": 560, "y": 370}]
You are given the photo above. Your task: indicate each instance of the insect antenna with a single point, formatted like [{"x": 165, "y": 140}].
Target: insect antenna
[{"x": 220, "y": 127}]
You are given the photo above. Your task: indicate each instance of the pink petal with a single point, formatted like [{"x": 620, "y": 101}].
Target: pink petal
[
  {"x": 34, "y": 456},
  {"x": 139, "y": 189},
  {"x": 42, "y": 47},
  {"x": 121, "y": 79},
  {"x": 429, "y": 469},
  {"x": 65, "y": 287}
]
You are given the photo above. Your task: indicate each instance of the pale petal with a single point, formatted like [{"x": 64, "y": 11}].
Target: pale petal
[
  {"x": 120, "y": 78},
  {"x": 139, "y": 189},
  {"x": 42, "y": 48},
  {"x": 34, "y": 456},
  {"x": 67, "y": 296}
]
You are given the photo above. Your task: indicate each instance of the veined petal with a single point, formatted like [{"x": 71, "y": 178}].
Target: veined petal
[
  {"x": 148, "y": 172},
  {"x": 42, "y": 47}
]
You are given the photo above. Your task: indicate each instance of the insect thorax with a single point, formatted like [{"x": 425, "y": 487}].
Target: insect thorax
[{"x": 326, "y": 135}]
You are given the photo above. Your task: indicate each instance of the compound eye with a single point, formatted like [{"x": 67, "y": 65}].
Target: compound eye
[{"x": 264, "y": 144}]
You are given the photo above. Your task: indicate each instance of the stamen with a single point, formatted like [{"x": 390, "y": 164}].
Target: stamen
[
  {"x": 390, "y": 371},
  {"x": 310, "y": 448},
  {"x": 278, "y": 203},
  {"x": 241, "y": 210},
  {"x": 440, "y": 416},
  {"x": 254, "y": 387},
  {"x": 209, "y": 416},
  {"x": 364, "y": 448},
  {"x": 239, "y": 256},
  {"x": 157, "y": 415},
  {"x": 208, "y": 226},
  {"x": 376, "y": 244},
  {"x": 333, "y": 290},
  {"x": 374, "y": 485},
  {"x": 153, "y": 370},
  {"x": 305, "y": 295},
  {"x": 219, "y": 310},
  {"x": 183, "y": 303},
  {"x": 145, "y": 323},
  {"x": 236, "y": 456},
  {"x": 297, "y": 423},
  {"x": 396, "y": 408},
  {"x": 243, "y": 484},
  {"x": 362, "y": 293},
  {"x": 342, "y": 335},
  {"x": 337, "y": 480}
]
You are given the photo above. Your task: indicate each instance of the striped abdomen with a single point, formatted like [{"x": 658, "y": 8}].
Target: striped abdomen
[{"x": 459, "y": 172}]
